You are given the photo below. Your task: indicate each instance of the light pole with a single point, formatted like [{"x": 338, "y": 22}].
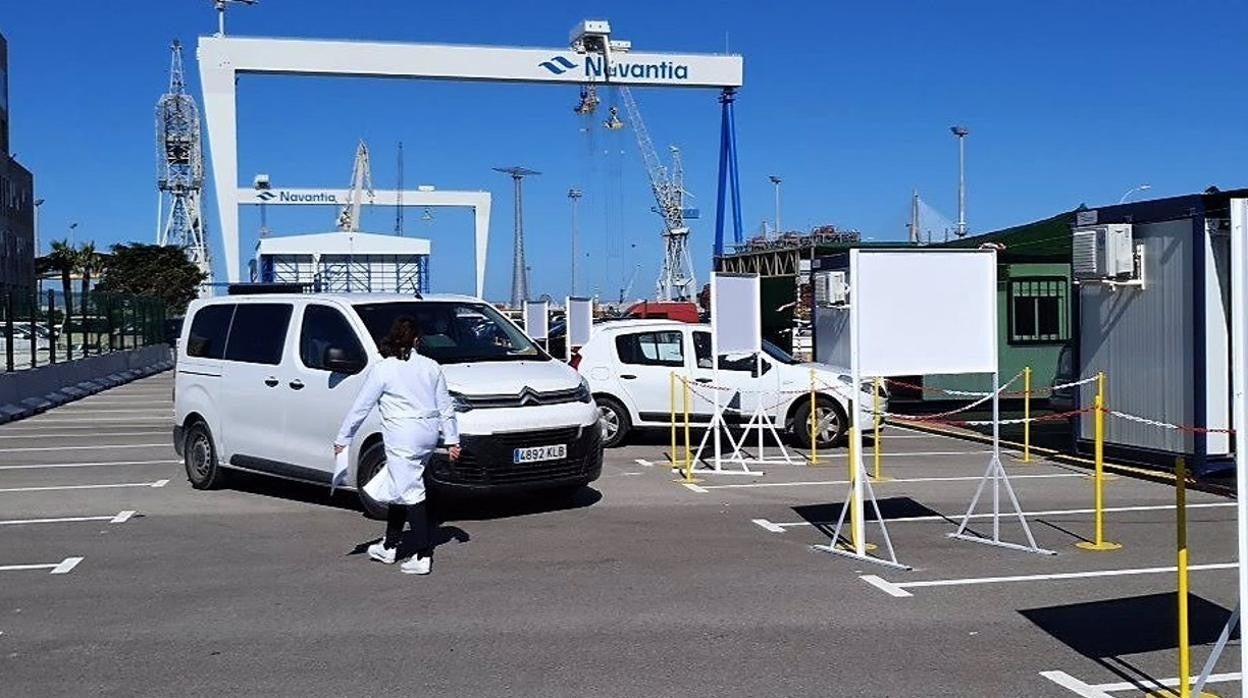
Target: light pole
[
  {"x": 519, "y": 270},
  {"x": 960, "y": 132},
  {"x": 574, "y": 195},
  {"x": 72, "y": 237},
  {"x": 776, "y": 181},
  {"x": 35, "y": 251},
  {"x": 1132, "y": 190}
]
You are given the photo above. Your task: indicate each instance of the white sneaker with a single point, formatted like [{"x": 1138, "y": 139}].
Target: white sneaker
[
  {"x": 417, "y": 565},
  {"x": 379, "y": 552}
]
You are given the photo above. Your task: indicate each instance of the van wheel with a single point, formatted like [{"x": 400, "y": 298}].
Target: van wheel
[
  {"x": 371, "y": 461},
  {"x": 614, "y": 421},
  {"x": 829, "y": 415},
  {"x": 200, "y": 457}
]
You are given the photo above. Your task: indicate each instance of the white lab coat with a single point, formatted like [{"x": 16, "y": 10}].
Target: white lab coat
[{"x": 415, "y": 406}]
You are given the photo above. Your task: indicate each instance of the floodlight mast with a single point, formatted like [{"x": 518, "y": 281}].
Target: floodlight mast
[{"x": 220, "y": 6}]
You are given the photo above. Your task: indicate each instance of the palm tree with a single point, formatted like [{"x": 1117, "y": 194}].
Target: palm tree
[
  {"x": 89, "y": 262},
  {"x": 64, "y": 258}
]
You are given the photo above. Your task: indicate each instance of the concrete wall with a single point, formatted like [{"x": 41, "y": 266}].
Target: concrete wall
[{"x": 24, "y": 393}]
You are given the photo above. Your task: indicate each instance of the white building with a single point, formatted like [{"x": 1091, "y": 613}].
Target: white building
[{"x": 345, "y": 262}]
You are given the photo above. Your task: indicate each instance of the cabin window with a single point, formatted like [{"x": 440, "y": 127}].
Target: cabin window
[{"x": 1039, "y": 310}]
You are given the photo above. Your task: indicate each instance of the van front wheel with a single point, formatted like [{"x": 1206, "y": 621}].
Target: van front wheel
[
  {"x": 371, "y": 461},
  {"x": 200, "y": 457}
]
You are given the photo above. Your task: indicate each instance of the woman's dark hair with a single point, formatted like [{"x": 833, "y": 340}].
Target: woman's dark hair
[{"x": 401, "y": 339}]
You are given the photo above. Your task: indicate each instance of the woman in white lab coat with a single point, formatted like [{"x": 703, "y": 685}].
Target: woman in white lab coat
[{"x": 411, "y": 393}]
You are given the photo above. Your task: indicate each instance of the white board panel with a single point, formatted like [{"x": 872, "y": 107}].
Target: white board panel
[
  {"x": 736, "y": 323},
  {"x": 536, "y": 319},
  {"x": 924, "y": 312},
  {"x": 580, "y": 321}
]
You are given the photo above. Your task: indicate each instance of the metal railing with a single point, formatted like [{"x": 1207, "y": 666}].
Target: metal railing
[{"x": 38, "y": 329}]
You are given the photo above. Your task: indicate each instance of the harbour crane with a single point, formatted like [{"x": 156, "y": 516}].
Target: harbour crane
[
  {"x": 676, "y": 279},
  {"x": 361, "y": 186}
]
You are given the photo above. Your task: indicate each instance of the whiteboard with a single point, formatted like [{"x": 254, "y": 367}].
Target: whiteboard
[
  {"x": 923, "y": 312},
  {"x": 736, "y": 323},
  {"x": 536, "y": 320},
  {"x": 580, "y": 321}
]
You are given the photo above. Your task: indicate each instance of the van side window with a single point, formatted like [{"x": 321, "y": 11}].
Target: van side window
[
  {"x": 209, "y": 329},
  {"x": 258, "y": 333},
  {"x": 651, "y": 349},
  {"x": 325, "y": 327},
  {"x": 702, "y": 349}
]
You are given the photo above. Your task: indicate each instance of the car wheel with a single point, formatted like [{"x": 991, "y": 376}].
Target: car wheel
[
  {"x": 614, "y": 421},
  {"x": 371, "y": 461},
  {"x": 831, "y": 419},
  {"x": 200, "y": 457}
]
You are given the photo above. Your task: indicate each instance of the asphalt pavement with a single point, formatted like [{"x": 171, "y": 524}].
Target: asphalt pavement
[{"x": 116, "y": 578}]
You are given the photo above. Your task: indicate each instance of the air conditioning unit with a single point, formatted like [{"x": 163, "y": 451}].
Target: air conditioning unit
[
  {"x": 831, "y": 289},
  {"x": 1104, "y": 253}
]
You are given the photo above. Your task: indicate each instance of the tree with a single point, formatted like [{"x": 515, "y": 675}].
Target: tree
[
  {"x": 64, "y": 259},
  {"x": 88, "y": 262},
  {"x": 152, "y": 270}
]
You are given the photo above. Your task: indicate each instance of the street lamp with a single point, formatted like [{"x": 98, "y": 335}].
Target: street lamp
[
  {"x": 776, "y": 181},
  {"x": 1132, "y": 190},
  {"x": 72, "y": 228},
  {"x": 960, "y": 132},
  {"x": 35, "y": 252}
]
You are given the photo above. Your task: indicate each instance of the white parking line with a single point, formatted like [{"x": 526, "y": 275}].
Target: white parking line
[
  {"x": 768, "y": 526},
  {"x": 696, "y": 488},
  {"x": 779, "y": 527},
  {"x": 166, "y": 444},
  {"x": 1103, "y": 690},
  {"x": 911, "y": 454},
  {"x": 1037, "y": 476},
  {"x": 49, "y": 488},
  {"x": 109, "y": 434},
  {"x": 899, "y": 588},
  {"x": 78, "y": 407},
  {"x": 63, "y": 567},
  {"x": 643, "y": 462},
  {"x": 40, "y": 466},
  {"x": 119, "y": 517}
]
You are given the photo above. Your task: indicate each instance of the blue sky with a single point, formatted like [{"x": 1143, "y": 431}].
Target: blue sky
[{"x": 850, "y": 103}]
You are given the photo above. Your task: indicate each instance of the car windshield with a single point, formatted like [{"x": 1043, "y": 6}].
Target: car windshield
[
  {"x": 454, "y": 332},
  {"x": 778, "y": 354}
]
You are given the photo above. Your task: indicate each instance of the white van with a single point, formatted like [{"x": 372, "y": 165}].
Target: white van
[
  {"x": 263, "y": 382},
  {"x": 629, "y": 364}
]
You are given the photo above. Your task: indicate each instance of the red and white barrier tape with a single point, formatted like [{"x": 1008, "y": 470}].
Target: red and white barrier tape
[{"x": 1166, "y": 425}]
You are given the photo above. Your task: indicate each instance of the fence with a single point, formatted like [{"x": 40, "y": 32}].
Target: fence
[{"x": 37, "y": 329}]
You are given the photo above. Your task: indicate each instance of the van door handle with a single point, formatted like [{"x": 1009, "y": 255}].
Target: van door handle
[
  {"x": 271, "y": 382},
  {"x": 628, "y": 376},
  {"x": 296, "y": 384}
]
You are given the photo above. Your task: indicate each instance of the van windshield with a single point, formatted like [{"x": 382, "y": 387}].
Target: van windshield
[{"x": 454, "y": 332}]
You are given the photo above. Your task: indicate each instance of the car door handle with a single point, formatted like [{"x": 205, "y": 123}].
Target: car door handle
[
  {"x": 628, "y": 377},
  {"x": 296, "y": 384},
  {"x": 271, "y": 382},
  {"x": 703, "y": 380}
]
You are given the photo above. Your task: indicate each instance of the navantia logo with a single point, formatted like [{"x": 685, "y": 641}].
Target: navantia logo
[
  {"x": 266, "y": 196},
  {"x": 558, "y": 65}
]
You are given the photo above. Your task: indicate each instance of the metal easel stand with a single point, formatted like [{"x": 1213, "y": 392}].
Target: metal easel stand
[
  {"x": 763, "y": 423},
  {"x": 854, "y": 546},
  {"x": 717, "y": 429},
  {"x": 997, "y": 475},
  {"x": 1218, "y": 648}
]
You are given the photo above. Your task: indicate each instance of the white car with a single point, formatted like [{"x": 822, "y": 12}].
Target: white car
[
  {"x": 263, "y": 382},
  {"x": 629, "y": 365}
]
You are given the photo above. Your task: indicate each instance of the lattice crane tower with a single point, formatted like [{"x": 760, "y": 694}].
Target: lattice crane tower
[{"x": 180, "y": 170}]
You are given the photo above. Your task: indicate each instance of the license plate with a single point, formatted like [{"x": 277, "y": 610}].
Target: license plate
[{"x": 534, "y": 454}]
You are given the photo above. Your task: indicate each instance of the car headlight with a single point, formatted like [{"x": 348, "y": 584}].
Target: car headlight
[
  {"x": 582, "y": 393},
  {"x": 460, "y": 403}
]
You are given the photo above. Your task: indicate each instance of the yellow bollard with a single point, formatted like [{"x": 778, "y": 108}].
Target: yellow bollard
[
  {"x": 1099, "y": 477},
  {"x": 671, "y": 391},
  {"x": 1027, "y": 414},
  {"x": 814, "y": 421},
  {"x": 688, "y": 443},
  {"x": 876, "y": 445},
  {"x": 853, "y": 499}
]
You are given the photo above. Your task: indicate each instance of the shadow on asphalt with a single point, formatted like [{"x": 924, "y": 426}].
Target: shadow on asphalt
[
  {"x": 824, "y": 516},
  {"x": 1107, "y": 631}
]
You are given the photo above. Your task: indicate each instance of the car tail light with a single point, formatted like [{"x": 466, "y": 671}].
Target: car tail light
[{"x": 575, "y": 362}]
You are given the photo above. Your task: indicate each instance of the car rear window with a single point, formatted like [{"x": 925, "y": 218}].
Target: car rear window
[{"x": 209, "y": 330}]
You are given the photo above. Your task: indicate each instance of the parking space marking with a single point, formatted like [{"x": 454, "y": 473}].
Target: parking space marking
[
  {"x": 50, "y": 488},
  {"x": 768, "y": 526},
  {"x": 696, "y": 488},
  {"x": 884, "y": 585},
  {"x": 644, "y": 462},
  {"x": 1056, "y": 576},
  {"x": 1103, "y": 690},
  {"x": 781, "y": 526},
  {"x": 109, "y": 434},
  {"x": 40, "y": 466},
  {"x": 912, "y": 454},
  {"x": 1035, "y": 476},
  {"x": 63, "y": 567},
  {"x": 100, "y": 420},
  {"x": 23, "y": 449},
  {"x": 119, "y": 517}
]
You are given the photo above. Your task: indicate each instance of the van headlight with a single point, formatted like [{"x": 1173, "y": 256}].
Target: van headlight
[
  {"x": 582, "y": 393},
  {"x": 460, "y": 403}
]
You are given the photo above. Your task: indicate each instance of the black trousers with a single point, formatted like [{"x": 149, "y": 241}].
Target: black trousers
[{"x": 417, "y": 518}]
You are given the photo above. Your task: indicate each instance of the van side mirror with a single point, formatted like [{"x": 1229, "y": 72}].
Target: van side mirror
[{"x": 337, "y": 360}]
